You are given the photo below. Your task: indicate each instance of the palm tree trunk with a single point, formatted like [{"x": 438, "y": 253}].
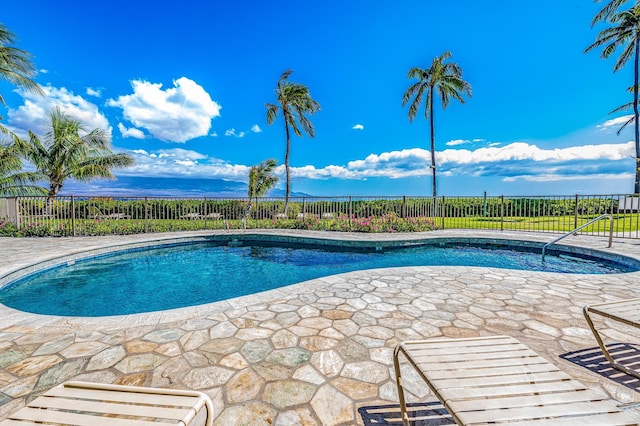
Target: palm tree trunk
[
  {"x": 54, "y": 188},
  {"x": 286, "y": 167},
  {"x": 433, "y": 154},
  {"x": 636, "y": 186}
]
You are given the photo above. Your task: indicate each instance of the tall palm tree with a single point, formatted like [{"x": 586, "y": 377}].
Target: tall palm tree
[
  {"x": 624, "y": 33},
  {"x": 261, "y": 180},
  {"x": 64, "y": 154},
  {"x": 15, "y": 64},
  {"x": 441, "y": 79},
  {"x": 13, "y": 181},
  {"x": 294, "y": 101}
]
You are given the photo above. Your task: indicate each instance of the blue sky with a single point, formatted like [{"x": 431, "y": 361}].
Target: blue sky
[{"x": 183, "y": 86}]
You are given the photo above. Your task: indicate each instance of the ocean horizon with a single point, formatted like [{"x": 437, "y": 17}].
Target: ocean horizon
[{"x": 140, "y": 186}]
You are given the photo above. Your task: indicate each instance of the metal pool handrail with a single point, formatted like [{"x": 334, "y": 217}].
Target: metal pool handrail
[{"x": 602, "y": 216}]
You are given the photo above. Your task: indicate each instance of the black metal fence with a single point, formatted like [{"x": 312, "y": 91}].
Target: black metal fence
[{"x": 83, "y": 215}]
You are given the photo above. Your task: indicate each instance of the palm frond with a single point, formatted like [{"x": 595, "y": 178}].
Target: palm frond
[
  {"x": 15, "y": 64},
  {"x": 626, "y": 123},
  {"x": 607, "y": 11}
]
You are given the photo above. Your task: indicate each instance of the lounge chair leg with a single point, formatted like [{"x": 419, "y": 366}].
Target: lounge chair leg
[
  {"x": 403, "y": 404},
  {"x": 603, "y": 347}
]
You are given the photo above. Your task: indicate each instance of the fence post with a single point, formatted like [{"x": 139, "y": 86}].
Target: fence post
[
  {"x": 146, "y": 216},
  {"x": 204, "y": 211},
  {"x": 350, "y": 211},
  {"x": 575, "y": 215},
  {"x": 502, "y": 212},
  {"x": 73, "y": 216},
  {"x": 442, "y": 210},
  {"x": 10, "y": 208},
  {"x": 403, "y": 212}
]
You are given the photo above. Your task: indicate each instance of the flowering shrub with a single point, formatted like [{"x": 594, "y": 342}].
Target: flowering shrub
[
  {"x": 372, "y": 224},
  {"x": 8, "y": 229},
  {"x": 390, "y": 222}
]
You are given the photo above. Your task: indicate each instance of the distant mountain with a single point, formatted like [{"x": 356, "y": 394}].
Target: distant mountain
[{"x": 140, "y": 186}]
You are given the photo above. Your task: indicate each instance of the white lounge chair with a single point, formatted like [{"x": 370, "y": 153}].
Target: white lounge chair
[
  {"x": 498, "y": 380},
  {"x": 82, "y": 403},
  {"x": 191, "y": 216},
  {"x": 95, "y": 213}
]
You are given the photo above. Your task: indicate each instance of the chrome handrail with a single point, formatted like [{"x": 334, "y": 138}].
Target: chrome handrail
[{"x": 544, "y": 248}]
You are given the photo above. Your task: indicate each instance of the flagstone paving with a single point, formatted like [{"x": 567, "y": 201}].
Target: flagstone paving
[{"x": 309, "y": 354}]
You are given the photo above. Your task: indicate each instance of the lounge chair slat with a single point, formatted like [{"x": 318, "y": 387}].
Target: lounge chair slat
[
  {"x": 447, "y": 342},
  {"x": 488, "y": 350},
  {"x": 528, "y": 389},
  {"x": 107, "y": 395},
  {"x": 584, "y": 408},
  {"x": 10, "y": 422},
  {"x": 608, "y": 419},
  {"x": 506, "y": 380},
  {"x": 530, "y": 400},
  {"x": 473, "y": 365},
  {"x": 68, "y": 418},
  {"x": 453, "y": 363},
  {"x": 467, "y": 348},
  {"x": 479, "y": 371},
  {"x": 177, "y": 413},
  {"x": 459, "y": 356}
]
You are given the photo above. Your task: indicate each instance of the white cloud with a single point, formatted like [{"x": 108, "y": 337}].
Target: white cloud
[
  {"x": 94, "y": 92},
  {"x": 618, "y": 121},
  {"x": 131, "y": 132},
  {"x": 176, "y": 114},
  {"x": 232, "y": 132},
  {"x": 43, "y": 71},
  {"x": 34, "y": 113},
  {"x": 552, "y": 177},
  {"x": 358, "y": 127},
  {"x": 515, "y": 161},
  {"x": 183, "y": 162},
  {"x": 457, "y": 142},
  {"x": 186, "y": 163},
  {"x": 214, "y": 134},
  {"x": 525, "y": 151}
]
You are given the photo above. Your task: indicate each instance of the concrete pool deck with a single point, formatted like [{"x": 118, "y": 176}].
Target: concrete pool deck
[{"x": 318, "y": 352}]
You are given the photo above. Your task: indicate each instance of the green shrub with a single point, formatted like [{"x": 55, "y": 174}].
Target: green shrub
[{"x": 8, "y": 229}]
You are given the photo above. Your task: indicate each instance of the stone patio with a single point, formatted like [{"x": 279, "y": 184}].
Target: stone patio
[{"x": 314, "y": 353}]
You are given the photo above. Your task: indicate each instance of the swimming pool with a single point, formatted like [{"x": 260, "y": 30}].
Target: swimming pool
[{"x": 191, "y": 273}]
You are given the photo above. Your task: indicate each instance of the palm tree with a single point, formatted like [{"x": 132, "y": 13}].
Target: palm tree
[
  {"x": 261, "y": 180},
  {"x": 294, "y": 100},
  {"x": 64, "y": 154},
  {"x": 13, "y": 181},
  {"x": 15, "y": 64},
  {"x": 442, "y": 79},
  {"x": 625, "y": 32}
]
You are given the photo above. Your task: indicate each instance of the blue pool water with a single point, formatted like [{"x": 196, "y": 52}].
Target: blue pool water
[{"x": 192, "y": 274}]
